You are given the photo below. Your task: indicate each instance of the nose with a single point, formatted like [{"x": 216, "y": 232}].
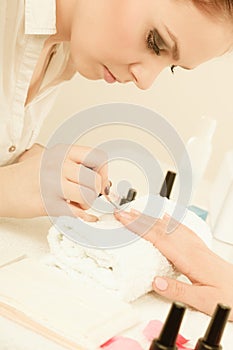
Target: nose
[{"x": 144, "y": 74}]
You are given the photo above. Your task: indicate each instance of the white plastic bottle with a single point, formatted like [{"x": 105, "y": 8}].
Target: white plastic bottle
[{"x": 199, "y": 148}]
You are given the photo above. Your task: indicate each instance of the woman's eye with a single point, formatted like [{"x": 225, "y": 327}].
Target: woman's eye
[{"x": 154, "y": 42}]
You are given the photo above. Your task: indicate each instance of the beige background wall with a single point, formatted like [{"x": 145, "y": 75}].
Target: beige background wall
[{"x": 182, "y": 98}]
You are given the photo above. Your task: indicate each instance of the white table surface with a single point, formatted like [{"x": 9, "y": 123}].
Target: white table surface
[{"x": 28, "y": 236}]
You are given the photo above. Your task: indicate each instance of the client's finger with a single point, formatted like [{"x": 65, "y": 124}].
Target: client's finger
[
  {"x": 190, "y": 294},
  {"x": 141, "y": 224}
]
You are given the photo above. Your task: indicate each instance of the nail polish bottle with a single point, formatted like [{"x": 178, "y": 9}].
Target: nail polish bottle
[
  {"x": 170, "y": 330},
  {"x": 130, "y": 196},
  {"x": 213, "y": 335},
  {"x": 167, "y": 184}
]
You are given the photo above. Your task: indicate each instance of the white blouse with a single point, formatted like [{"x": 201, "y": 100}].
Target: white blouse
[{"x": 24, "y": 27}]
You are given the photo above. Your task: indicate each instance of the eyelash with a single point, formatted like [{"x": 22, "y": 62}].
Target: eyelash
[
  {"x": 173, "y": 68},
  {"x": 151, "y": 42}
]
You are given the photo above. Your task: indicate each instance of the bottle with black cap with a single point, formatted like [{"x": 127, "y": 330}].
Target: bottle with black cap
[
  {"x": 213, "y": 335},
  {"x": 130, "y": 196},
  {"x": 170, "y": 330},
  {"x": 167, "y": 184}
]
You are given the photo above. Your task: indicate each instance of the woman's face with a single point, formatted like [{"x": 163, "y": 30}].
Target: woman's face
[{"x": 134, "y": 40}]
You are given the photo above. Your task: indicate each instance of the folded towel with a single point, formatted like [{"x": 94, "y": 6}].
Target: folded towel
[{"x": 126, "y": 270}]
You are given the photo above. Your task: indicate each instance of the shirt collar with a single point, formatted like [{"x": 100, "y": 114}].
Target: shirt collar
[{"x": 40, "y": 17}]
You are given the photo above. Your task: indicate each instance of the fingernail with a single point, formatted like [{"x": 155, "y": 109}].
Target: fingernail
[
  {"x": 166, "y": 216},
  {"x": 134, "y": 211},
  {"x": 125, "y": 215},
  {"x": 91, "y": 218},
  {"x": 160, "y": 283},
  {"x": 107, "y": 190}
]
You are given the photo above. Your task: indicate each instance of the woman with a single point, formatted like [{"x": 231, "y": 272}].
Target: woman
[{"x": 44, "y": 43}]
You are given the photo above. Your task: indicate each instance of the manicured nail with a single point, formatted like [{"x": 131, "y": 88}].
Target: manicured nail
[
  {"x": 107, "y": 190},
  {"x": 134, "y": 211},
  {"x": 166, "y": 216},
  {"x": 91, "y": 218},
  {"x": 160, "y": 283},
  {"x": 125, "y": 215}
]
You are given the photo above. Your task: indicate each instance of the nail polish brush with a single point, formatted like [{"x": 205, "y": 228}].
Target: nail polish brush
[{"x": 106, "y": 195}]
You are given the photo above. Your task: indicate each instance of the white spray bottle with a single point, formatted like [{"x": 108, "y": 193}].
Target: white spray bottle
[{"x": 199, "y": 148}]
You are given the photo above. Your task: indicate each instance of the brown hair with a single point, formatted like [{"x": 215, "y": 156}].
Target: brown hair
[{"x": 222, "y": 9}]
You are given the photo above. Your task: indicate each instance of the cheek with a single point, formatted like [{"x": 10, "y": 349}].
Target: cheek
[
  {"x": 105, "y": 42},
  {"x": 109, "y": 31}
]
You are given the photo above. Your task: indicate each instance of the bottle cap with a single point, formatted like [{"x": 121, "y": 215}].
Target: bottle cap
[
  {"x": 131, "y": 194},
  {"x": 213, "y": 335},
  {"x": 167, "y": 184},
  {"x": 169, "y": 332}
]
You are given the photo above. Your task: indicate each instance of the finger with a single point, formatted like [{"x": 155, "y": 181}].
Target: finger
[
  {"x": 93, "y": 158},
  {"x": 79, "y": 174},
  {"x": 143, "y": 225},
  {"x": 78, "y": 205},
  {"x": 82, "y": 195},
  {"x": 180, "y": 247},
  {"x": 78, "y": 212},
  {"x": 105, "y": 183},
  {"x": 192, "y": 295},
  {"x": 155, "y": 231}
]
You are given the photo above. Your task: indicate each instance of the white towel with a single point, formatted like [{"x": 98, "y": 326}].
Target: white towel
[{"x": 128, "y": 270}]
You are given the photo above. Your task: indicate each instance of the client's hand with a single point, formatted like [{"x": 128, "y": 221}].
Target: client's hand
[{"x": 211, "y": 277}]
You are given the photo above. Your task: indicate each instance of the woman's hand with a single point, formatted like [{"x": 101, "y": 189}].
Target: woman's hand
[
  {"x": 211, "y": 277},
  {"x": 63, "y": 180}
]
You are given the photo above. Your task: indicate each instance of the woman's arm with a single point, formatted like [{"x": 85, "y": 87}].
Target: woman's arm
[{"x": 211, "y": 277}]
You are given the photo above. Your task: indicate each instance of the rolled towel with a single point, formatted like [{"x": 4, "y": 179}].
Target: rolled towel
[{"x": 129, "y": 270}]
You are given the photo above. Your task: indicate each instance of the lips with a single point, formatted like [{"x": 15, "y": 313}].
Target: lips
[{"x": 108, "y": 76}]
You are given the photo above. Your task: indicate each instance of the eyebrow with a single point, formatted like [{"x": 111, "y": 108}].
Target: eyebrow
[{"x": 175, "y": 47}]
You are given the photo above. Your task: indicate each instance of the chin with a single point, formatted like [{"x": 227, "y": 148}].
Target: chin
[
  {"x": 88, "y": 75},
  {"x": 87, "y": 71}
]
